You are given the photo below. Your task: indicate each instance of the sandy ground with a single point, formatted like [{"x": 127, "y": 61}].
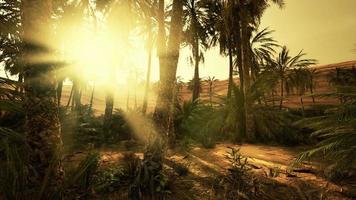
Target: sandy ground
[{"x": 205, "y": 165}]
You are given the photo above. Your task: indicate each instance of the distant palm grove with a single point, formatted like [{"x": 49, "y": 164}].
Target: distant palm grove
[{"x": 55, "y": 146}]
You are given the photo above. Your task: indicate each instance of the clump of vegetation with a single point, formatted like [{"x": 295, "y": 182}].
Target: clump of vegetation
[
  {"x": 81, "y": 180},
  {"x": 237, "y": 183},
  {"x": 148, "y": 177},
  {"x": 84, "y": 129},
  {"x": 272, "y": 125},
  {"x": 200, "y": 122},
  {"x": 111, "y": 178},
  {"x": 335, "y": 131}
]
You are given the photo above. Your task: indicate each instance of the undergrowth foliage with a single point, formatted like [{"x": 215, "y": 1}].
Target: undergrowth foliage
[
  {"x": 148, "y": 177},
  {"x": 335, "y": 130},
  {"x": 238, "y": 183}
]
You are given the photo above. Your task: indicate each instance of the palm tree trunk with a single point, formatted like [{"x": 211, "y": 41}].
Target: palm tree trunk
[
  {"x": 312, "y": 93},
  {"x": 245, "y": 42},
  {"x": 91, "y": 99},
  {"x": 273, "y": 100},
  {"x": 76, "y": 96},
  {"x": 231, "y": 72},
  {"x": 302, "y": 104},
  {"x": 165, "y": 101},
  {"x": 311, "y": 89},
  {"x": 161, "y": 41},
  {"x": 148, "y": 76},
  {"x": 43, "y": 134},
  {"x": 282, "y": 94},
  {"x": 109, "y": 106},
  {"x": 196, "y": 88},
  {"x": 241, "y": 67},
  {"x": 59, "y": 92},
  {"x": 70, "y": 96}
]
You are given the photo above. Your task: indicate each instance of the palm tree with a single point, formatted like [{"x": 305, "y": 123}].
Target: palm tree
[
  {"x": 250, "y": 13},
  {"x": 211, "y": 81},
  {"x": 196, "y": 36},
  {"x": 123, "y": 10},
  {"x": 299, "y": 80},
  {"x": 42, "y": 124},
  {"x": 284, "y": 62},
  {"x": 168, "y": 58},
  {"x": 148, "y": 17},
  {"x": 312, "y": 74},
  {"x": 335, "y": 130},
  {"x": 191, "y": 85},
  {"x": 222, "y": 15}
]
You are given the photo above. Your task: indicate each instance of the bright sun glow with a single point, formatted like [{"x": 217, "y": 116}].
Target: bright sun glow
[{"x": 92, "y": 56}]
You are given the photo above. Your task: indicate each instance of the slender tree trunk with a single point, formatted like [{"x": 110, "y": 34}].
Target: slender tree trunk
[
  {"x": 161, "y": 41},
  {"x": 273, "y": 100},
  {"x": 196, "y": 88},
  {"x": 302, "y": 104},
  {"x": 311, "y": 89},
  {"x": 59, "y": 92},
  {"x": 91, "y": 99},
  {"x": 231, "y": 72},
  {"x": 109, "y": 106},
  {"x": 76, "y": 96},
  {"x": 148, "y": 76},
  {"x": 241, "y": 67},
  {"x": 70, "y": 96},
  {"x": 282, "y": 94},
  {"x": 245, "y": 43},
  {"x": 312, "y": 93},
  {"x": 42, "y": 126}
]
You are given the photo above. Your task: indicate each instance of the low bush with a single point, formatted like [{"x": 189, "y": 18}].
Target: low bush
[{"x": 237, "y": 183}]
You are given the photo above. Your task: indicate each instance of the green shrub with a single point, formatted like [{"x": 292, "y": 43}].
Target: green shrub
[
  {"x": 336, "y": 133},
  {"x": 148, "y": 177},
  {"x": 272, "y": 125},
  {"x": 200, "y": 122}
]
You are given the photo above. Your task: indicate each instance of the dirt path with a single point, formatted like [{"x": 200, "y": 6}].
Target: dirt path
[{"x": 207, "y": 164}]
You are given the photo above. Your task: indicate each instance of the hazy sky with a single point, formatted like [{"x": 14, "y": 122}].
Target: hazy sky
[{"x": 324, "y": 29}]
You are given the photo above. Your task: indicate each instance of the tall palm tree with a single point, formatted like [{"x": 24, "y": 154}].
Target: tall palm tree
[
  {"x": 123, "y": 10},
  {"x": 168, "y": 56},
  {"x": 284, "y": 62},
  {"x": 223, "y": 18},
  {"x": 196, "y": 36},
  {"x": 250, "y": 13},
  {"x": 42, "y": 124},
  {"x": 149, "y": 21}
]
